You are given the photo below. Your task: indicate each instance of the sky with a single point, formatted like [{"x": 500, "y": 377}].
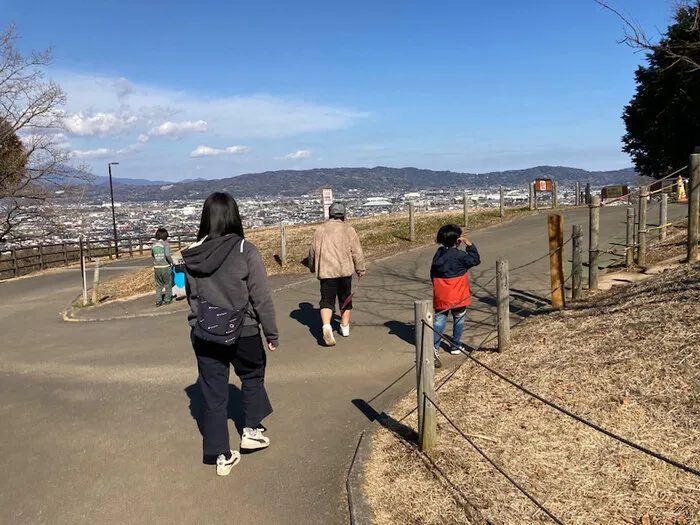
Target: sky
[{"x": 181, "y": 90}]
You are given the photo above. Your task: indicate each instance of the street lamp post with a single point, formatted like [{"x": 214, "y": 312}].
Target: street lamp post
[{"x": 114, "y": 216}]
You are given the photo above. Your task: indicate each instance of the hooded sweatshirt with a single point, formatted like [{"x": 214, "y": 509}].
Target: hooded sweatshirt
[
  {"x": 450, "y": 277},
  {"x": 230, "y": 273}
]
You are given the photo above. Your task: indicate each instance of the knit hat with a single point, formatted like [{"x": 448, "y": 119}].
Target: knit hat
[{"x": 337, "y": 210}]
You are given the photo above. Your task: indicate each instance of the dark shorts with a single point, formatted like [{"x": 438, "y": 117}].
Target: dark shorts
[{"x": 340, "y": 287}]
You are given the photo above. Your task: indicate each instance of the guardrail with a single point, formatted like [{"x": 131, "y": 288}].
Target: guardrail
[{"x": 16, "y": 262}]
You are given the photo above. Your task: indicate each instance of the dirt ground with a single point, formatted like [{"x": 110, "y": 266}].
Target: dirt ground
[{"x": 627, "y": 360}]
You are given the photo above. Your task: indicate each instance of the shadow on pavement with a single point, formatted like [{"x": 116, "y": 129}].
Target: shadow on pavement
[
  {"x": 308, "y": 315},
  {"x": 235, "y": 410},
  {"x": 386, "y": 421},
  {"x": 404, "y": 331}
]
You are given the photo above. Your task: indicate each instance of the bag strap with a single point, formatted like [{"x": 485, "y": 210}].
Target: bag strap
[{"x": 242, "y": 243}]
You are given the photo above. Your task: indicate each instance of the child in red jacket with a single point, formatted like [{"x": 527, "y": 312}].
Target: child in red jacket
[{"x": 451, "y": 293}]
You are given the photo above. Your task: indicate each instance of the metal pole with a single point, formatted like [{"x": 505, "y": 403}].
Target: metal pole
[
  {"x": 83, "y": 272},
  {"x": 594, "y": 239},
  {"x": 532, "y": 196},
  {"x": 114, "y": 216},
  {"x": 663, "y": 216},
  {"x": 694, "y": 207}
]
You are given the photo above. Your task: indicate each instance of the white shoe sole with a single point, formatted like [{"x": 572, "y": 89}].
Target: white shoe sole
[
  {"x": 344, "y": 334},
  {"x": 328, "y": 338},
  {"x": 251, "y": 444},
  {"x": 225, "y": 470}
]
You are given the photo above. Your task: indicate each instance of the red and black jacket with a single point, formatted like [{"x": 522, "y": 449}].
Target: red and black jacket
[{"x": 450, "y": 277}]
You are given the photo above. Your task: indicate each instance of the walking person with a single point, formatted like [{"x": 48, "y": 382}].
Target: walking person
[
  {"x": 162, "y": 264},
  {"x": 334, "y": 255},
  {"x": 229, "y": 300},
  {"x": 451, "y": 291}
]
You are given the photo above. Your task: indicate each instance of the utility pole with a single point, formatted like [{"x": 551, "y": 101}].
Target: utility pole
[{"x": 114, "y": 216}]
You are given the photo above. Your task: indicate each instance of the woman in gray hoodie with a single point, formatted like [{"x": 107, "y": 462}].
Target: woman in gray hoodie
[{"x": 226, "y": 279}]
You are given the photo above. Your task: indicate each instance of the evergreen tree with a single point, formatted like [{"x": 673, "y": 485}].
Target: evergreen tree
[{"x": 663, "y": 118}]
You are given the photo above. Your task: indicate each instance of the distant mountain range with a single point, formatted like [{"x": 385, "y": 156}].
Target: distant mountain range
[{"x": 374, "y": 180}]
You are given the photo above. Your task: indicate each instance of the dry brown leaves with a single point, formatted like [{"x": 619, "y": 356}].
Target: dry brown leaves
[{"x": 628, "y": 360}]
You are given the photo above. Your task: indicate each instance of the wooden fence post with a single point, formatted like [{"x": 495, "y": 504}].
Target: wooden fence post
[
  {"x": 140, "y": 245},
  {"x": 694, "y": 207},
  {"x": 663, "y": 216},
  {"x": 577, "y": 263},
  {"x": 555, "y": 227},
  {"x": 83, "y": 272},
  {"x": 629, "y": 241},
  {"x": 179, "y": 242},
  {"x": 412, "y": 222},
  {"x": 555, "y": 194},
  {"x": 283, "y": 253},
  {"x": 594, "y": 239},
  {"x": 588, "y": 193},
  {"x": 425, "y": 371},
  {"x": 577, "y": 197},
  {"x": 96, "y": 282},
  {"x": 642, "y": 231},
  {"x": 502, "y": 202},
  {"x": 131, "y": 248},
  {"x": 532, "y": 196},
  {"x": 503, "y": 304},
  {"x": 15, "y": 265},
  {"x": 41, "y": 257},
  {"x": 465, "y": 203}
]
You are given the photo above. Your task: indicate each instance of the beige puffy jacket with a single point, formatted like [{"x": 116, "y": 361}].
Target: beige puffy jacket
[{"x": 335, "y": 251}]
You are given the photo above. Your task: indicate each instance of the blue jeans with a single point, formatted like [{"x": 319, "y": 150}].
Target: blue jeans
[{"x": 458, "y": 315}]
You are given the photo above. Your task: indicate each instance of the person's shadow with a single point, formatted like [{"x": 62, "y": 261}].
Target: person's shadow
[
  {"x": 234, "y": 409},
  {"x": 308, "y": 315},
  {"x": 402, "y": 330}
]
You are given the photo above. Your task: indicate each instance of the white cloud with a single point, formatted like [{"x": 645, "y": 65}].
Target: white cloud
[
  {"x": 124, "y": 106},
  {"x": 206, "y": 151},
  {"x": 86, "y": 124},
  {"x": 101, "y": 153},
  {"x": 298, "y": 155},
  {"x": 178, "y": 129}
]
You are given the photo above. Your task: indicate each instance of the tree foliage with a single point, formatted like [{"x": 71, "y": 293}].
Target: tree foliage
[
  {"x": 33, "y": 164},
  {"x": 663, "y": 118}
]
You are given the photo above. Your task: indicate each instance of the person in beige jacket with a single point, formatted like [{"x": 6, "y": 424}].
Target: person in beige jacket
[{"x": 334, "y": 255}]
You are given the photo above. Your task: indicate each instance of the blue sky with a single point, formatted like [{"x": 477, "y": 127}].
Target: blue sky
[{"x": 223, "y": 87}]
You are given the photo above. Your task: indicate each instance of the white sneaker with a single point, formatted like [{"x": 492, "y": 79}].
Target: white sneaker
[
  {"x": 455, "y": 351},
  {"x": 328, "y": 335},
  {"x": 253, "y": 439},
  {"x": 224, "y": 466},
  {"x": 345, "y": 330}
]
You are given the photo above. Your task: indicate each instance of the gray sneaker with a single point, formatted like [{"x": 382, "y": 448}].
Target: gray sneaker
[{"x": 438, "y": 363}]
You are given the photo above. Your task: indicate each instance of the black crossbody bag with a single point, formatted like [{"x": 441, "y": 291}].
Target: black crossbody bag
[{"x": 217, "y": 324}]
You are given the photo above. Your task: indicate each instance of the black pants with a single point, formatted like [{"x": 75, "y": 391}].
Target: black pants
[
  {"x": 340, "y": 287},
  {"x": 248, "y": 359}
]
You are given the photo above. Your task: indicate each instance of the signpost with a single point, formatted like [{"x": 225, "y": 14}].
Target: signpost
[{"x": 327, "y": 200}]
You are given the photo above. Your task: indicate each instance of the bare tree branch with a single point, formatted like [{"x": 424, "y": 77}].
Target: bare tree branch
[
  {"x": 33, "y": 164},
  {"x": 636, "y": 38}
]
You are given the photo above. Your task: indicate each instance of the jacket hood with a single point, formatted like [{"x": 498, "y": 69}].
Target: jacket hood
[
  {"x": 442, "y": 254},
  {"x": 205, "y": 257}
]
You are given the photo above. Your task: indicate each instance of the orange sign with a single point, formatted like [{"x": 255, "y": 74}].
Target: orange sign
[{"x": 543, "y": 185}]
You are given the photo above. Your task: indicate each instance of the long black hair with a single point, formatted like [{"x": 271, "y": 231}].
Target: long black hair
[{"x": 220, "y": 217}]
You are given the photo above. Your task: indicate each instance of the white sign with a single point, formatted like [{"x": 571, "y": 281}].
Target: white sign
[
  {"x": 327, "y": 201},
  {"x": 543, "y": 185}
]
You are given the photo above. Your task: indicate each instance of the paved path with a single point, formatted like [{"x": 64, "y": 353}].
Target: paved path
[{"x": 98, "y": 421}]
